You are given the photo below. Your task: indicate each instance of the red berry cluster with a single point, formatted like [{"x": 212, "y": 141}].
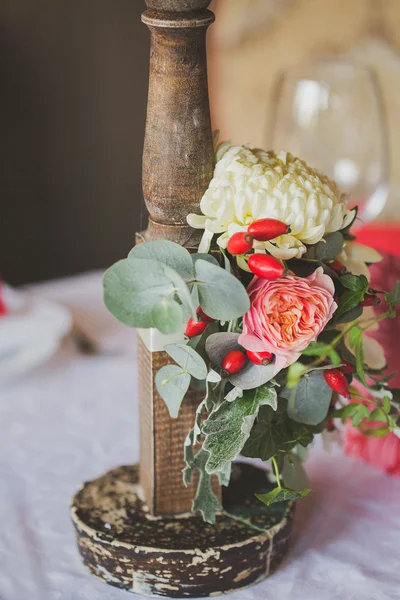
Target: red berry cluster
[{"x": 263, "y": 230}]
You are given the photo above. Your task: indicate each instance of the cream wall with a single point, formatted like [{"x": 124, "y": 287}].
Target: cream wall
[{"x": 253, "y": 40}]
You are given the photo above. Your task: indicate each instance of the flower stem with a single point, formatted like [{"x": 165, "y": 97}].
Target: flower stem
[{"x": 277, "y": 474}]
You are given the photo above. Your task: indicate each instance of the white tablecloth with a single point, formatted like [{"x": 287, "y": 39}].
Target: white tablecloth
[{"x": 76, "y": 417}]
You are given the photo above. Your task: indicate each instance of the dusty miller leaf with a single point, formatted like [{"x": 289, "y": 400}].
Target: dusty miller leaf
[
  {"x": 188, "y": 359},
  {"x": 227, "y": 429}
]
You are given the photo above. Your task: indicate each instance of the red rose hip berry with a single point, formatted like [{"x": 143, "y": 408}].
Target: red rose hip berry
[
  {"x": 260, "y": 358},
  {"x": 240, "y": 243},
  {"x": 338, "y": 267},
  {"x": 202, "y": 315},
  {"x": 265, "y": 266},
  {"x": 370, "y": 300},
  {"x": 267, "y": 229},
  {"x": 233, "y": 362},
  {"x": 194, "y": 328},
  {"x": 337, "y": 381},
  {"x": 347, "y": 368}
]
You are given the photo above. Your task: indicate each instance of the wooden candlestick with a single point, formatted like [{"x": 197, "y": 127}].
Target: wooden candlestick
[
  {"x": 177, "y": 168},
  {"x": 133, "y": 525}
]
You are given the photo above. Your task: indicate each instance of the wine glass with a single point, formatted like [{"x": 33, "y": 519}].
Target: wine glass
[{"x": 331, "y": 115}]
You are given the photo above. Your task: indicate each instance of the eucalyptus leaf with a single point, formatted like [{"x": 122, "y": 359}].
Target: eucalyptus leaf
[
  {"x": 172, "y": 383},
  {"x": 167, "y": 315},
  {"x": 170, "y": 254},
  {"x": 330, "y": 247},
  {"x": 207, "y": 257},
  {"x": 227, "y": 429},
  {"x": 188, "y": 359},
  {"x": 221, "y": 295},
  {"x": 251, "y": 376},
  {"x": 182, "y": 291},
  {"x": 131, "y": 288},
  {"x": 282, "y": 495},
  {"x": 311, "y": 400}
]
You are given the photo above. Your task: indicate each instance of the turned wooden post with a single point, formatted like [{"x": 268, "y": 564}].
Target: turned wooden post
[{"x": 177, "y": 168}]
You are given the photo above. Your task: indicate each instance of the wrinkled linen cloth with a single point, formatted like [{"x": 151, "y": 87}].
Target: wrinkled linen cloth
[{"x": 77, "y": 416}]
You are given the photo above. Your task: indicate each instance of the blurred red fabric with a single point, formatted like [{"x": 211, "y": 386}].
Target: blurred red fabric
[{"x": 386, "y": 240}]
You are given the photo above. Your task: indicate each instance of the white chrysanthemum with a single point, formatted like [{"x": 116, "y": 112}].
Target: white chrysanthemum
[{"x": 254, "y": 184}]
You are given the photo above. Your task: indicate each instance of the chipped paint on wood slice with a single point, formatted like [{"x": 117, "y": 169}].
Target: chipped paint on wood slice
[{"x": 179, "y": 556}]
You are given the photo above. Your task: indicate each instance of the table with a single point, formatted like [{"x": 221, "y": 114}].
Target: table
[{"x": 76, "y": 417}]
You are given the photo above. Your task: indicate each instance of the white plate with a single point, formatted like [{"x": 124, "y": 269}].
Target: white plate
[{"x": 30, "y": 333}]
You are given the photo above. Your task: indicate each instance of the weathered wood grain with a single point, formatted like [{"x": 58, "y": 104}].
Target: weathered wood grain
[
  {"x": 177, "y": 168},
  {"x": 179, "y": 557}
]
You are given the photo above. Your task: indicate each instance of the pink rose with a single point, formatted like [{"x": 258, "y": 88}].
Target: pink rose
[
  {"x": 381, "y": 452},
  {"x": 287, "y": 314}
]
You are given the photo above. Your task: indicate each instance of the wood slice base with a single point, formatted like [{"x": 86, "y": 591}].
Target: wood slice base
[{"x": 179, "y": 556}]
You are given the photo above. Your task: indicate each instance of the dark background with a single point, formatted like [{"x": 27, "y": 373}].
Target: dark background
[{"x": 73, "y": 76}]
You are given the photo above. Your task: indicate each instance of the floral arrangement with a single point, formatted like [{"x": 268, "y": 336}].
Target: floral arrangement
[{"x": 270, "y": 318}]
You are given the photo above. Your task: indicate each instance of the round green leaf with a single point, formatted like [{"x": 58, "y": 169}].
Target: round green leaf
[
  {"x": 221, "y": 295},
  {"x": 311, "y": 399},
  {"x": 167, "y": 315},
  {"x": 188, "y": 359},
  {"x": 172, "y": 383},
  {"x": 330, "y": 247},
  {"x": 170, "y": 254},
  {"x": 131, "y": 288}
]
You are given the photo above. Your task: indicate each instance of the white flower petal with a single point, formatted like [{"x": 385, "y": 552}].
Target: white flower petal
[
  {"x": 196, "y": 221},
  {"x": 205, "y": 243},
  {"x": 374, "y": 356}
]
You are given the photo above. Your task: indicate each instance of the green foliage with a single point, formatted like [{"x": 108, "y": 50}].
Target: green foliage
[
  {"x": 330, "y": 247},
  {"x": 355, "y": 282},
  {"x": 205, "y": 500},
  {"x": 356, "y": 287},
  {"x": 172, "y": 383},
  {"x": 221, "y": 295},
  {"x": 168, "y": 253},
  {"x": 131, "y": 288},
  {"x": 147, "y": 288},
  {"x": 295, "y": 371},
  {"x": 324, "y": 350},
  {"x": 227, "y": 428},
  {"x": 293, "y": 473},
  {"x": 357, "y": 345},
  {"x": 188, "y": 359},
  {"x": 281, "y": 494},
  {"x": 274, "y": 432},
  {"x": 394, "y": 296},
  {"x": 252, "y": 376},
  {"x": 166, "y": 315},
  {"x": 309, "y": 402}
]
